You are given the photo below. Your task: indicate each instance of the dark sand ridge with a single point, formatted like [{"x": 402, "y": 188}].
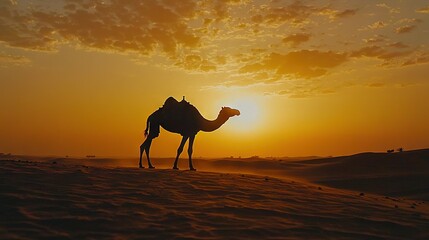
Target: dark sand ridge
[{"x": 55, "y": 200}]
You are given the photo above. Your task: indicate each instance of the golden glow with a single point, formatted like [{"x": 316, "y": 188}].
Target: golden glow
[
  {"x": 250, "y": 115},
  {"x": 309, "y": 77}
]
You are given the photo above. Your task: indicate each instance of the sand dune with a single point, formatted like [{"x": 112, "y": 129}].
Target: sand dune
[
  {"x": 64, "y": 200},
  {"x": 401, "y": 174}
]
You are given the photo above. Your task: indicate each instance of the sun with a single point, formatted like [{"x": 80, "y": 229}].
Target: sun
[{"x": 250, "y": 114}]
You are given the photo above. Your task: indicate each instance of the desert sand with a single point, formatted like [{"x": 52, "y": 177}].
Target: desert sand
[{"x": 364, "y": 196}]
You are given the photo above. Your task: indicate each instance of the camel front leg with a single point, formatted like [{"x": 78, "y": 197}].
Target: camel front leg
[
  {"x": 141, "y": 153},
  {"x": 147, "y": 144},
  {"x": 179, "y": 150},
  {"x": 190, "y": 150}
]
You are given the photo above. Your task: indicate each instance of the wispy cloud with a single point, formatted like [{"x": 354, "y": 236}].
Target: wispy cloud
[
  {"x": 13, "y": 60},
  {"x": 405, "y": 29},
  {"x": 411, "y": 24},
  {"x": 295, "y": 13},
  {"x": 379, "y": 52},
  {"x": 389, "y": 8},
  {"x": 336, "y": 14},
  {"x": 377, "y": 25},
  {"x": 297, "y": 38},
  {"x": 423, "y": 10},
  {"x": 195, "y": 62},
  {"x": 422, "y": 58},
  {"x": 302, "y": 64}
]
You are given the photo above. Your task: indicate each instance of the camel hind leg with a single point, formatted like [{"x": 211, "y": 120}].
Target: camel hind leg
[
  {"x": 153, "y": 133},
  {"x": 190, "y": 150},
  {"x": 145, "y": 147}
]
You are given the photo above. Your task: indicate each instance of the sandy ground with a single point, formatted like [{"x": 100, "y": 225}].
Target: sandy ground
[{"x": 54, "y": 200}]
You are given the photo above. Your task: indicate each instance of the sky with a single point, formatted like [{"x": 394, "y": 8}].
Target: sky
[{"x": 325, "y": 78}]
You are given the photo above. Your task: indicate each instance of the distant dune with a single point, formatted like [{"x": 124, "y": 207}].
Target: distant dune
[
  {"x": 401, "y": 174},
  {"x": 58, "y": 198}
]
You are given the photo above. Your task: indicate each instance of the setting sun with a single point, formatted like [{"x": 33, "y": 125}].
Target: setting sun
[{"x": 250, "y": 114}]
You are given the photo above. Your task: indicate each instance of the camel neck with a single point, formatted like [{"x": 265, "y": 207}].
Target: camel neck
[{"x": 211, "y": 125}]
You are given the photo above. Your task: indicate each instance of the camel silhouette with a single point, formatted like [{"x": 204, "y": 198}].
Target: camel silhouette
[{"x": 183, "y": 118}]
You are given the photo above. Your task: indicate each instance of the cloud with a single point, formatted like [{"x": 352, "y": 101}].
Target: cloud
[
  {"x": 300, "y": 64},
  {"x": 389, "y": 8},
  {"x": 195, "y": 62},
  {"x": 371, "y": 51},
  {"x": 113, "y": 25},
  {"x": 346, "y": 13},
  {"x": 375, "y": 39},
  {"x": 376, "y": 84},
  {"x": 411, "y": 24},
  {"x": 295, "y": 13},
  {"x": 335, "y": 14},
  {"x": 18, "y": 29},
  {"x": 409, "y": 20},
  {"x": 297, "y": 38},
  {"x": 9, "y": 59},
  {"x": 377, "y": 25},
  {"x": 398, "y": 45},
  {"x": 379, "y": 52},
  {"x": 304, "y": 91},
  {"x": 405, "y": 29},
  {"x": 423, "y": 10},
  {"x": 420, "y": 59},
  {"x": 221, "y": 8}
]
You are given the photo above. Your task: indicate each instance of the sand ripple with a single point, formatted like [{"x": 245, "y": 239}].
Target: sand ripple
[{"x": 44, "y": 200}]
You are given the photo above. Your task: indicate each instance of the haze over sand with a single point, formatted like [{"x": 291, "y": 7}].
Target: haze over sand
[{"x": 52, "y": 199}]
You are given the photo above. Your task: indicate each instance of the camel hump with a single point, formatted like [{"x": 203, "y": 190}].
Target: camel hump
[
  {"x": 172, "y": 103},
  {"x": 176, "y": 110}
]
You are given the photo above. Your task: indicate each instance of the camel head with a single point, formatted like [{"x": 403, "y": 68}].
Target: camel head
[{"x": 229, "y": 112}]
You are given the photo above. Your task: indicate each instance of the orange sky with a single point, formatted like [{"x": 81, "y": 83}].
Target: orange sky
[{"x": 310, "y": 77}]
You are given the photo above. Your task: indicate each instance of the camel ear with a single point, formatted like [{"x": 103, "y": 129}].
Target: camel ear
[{"x": 223, "y": 107}]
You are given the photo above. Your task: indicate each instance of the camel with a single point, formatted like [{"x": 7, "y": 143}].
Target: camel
[{"x": 184, "y": 119}]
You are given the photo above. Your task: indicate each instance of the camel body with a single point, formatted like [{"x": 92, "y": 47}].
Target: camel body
[
  {"x": 178, "y": 117},
  {"x": 184, "y": 119}
]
